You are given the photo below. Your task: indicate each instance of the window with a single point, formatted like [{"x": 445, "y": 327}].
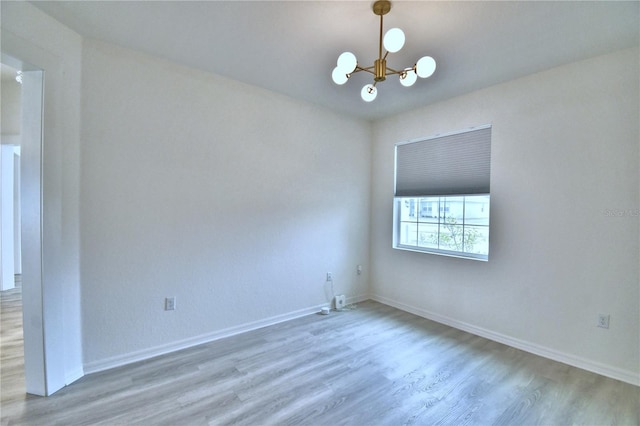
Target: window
[
  {"x": 461, "y": 226},
  {"x": 442, "y": 197}
]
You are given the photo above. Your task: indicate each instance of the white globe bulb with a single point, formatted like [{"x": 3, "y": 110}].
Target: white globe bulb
[
  {"x": 338, "y": 76},
  {"x": 369, "y": 93},
  {"x": 393, "y": 40},
  {"x": 408, "y": 77},
  {"x": 347, "y": 62},
  {"x": 425, "y": 67}
]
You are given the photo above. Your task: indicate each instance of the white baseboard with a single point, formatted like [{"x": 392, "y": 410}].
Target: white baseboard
[
  {"x": 131, "y": 357},
  {"x": 358, "y": 299},
  {"x": 575, "y": 361}
]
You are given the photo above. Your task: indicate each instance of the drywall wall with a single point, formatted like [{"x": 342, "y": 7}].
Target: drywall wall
[
  {"x": 564, "y": 217},
  {"x": 232, "y": 199},
  {"x": 7, "y": 237},
  {"x": 10, "y": 115},
  {"x": 50, "y": 171}
]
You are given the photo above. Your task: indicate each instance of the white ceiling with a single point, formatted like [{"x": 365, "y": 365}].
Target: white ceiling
[{"x": 291, "y": 47}]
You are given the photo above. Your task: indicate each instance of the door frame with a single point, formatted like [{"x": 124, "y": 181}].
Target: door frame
[{"x": 50, "y": 275}]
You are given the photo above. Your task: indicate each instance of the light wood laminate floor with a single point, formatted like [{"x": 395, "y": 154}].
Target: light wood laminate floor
[{"x": 374, "y": 365}]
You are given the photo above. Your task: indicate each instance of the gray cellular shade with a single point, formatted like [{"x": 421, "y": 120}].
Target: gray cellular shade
[{"x": 457, "y": 163}]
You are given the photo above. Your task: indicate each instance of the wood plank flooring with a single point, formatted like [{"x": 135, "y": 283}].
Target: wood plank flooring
[
  {"x": 11, "y": 346},
  {"x": 374, "y": 365}
]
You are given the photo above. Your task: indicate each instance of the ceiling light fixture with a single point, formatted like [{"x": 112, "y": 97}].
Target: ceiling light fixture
[{"x": 393, "y": 41}]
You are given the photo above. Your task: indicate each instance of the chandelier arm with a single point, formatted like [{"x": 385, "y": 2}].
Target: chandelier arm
[
  {"x": 367, "y": 69},
  {"x": 391, "y": 71}
]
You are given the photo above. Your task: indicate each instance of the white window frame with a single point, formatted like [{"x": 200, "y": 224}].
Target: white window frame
[{"x": 440, "y": 222}]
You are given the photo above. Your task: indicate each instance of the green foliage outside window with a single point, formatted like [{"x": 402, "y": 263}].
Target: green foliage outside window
[{"x": 453, "y": 236}]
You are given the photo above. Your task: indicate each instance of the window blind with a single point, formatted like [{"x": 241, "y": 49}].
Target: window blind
[{"x": 457, "y": 163}]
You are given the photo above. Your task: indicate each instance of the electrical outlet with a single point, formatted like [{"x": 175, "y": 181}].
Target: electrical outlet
[
  {"x": 329, "y": 276},
  {"x": 603, "y": 321},
  {"x": 359, "y": 269},
  {"x": 170, "y": 304}
]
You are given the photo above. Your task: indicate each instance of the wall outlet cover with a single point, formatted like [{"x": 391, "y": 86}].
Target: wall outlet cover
[
  {"x": 339, "y": 301},
  {"x": 170, "y": 304},
  {"x": 603, "y": 320}
]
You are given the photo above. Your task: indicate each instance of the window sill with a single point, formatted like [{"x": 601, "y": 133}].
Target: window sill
[{"x": 470, "y": 256}]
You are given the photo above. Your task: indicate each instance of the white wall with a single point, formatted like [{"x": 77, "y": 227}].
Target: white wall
[
  {"x": 10, "y": 115},
  {"x": 50, "y": 171},
  {"x": 564, "y": 158},
  {"x": 17, "y": 226},
  {"x": 7, "y": 219},
  {"x": 233, "y": 199},
  {"x": 10, "y": 241}
]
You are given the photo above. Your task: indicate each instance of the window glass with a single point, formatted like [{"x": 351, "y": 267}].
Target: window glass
[
  {"x": 476, "y": 239},
  {"x": 451, "y": 225},
  {"x": 429, "y": 209},
  {"x": 428, "y": 235},
  {"x": 477, "y": 210},
  {"x": 408, "y": 210}
]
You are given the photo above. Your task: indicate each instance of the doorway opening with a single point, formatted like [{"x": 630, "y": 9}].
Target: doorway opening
[
  {"x": 21, "y": 349},
  {"x": 11, "y": 123}
]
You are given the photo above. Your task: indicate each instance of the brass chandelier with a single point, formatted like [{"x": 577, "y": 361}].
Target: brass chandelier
[{"x": 393, "y": 41}]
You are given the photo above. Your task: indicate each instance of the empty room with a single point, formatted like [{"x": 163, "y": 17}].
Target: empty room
[{"x": 320, "y": 212}]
